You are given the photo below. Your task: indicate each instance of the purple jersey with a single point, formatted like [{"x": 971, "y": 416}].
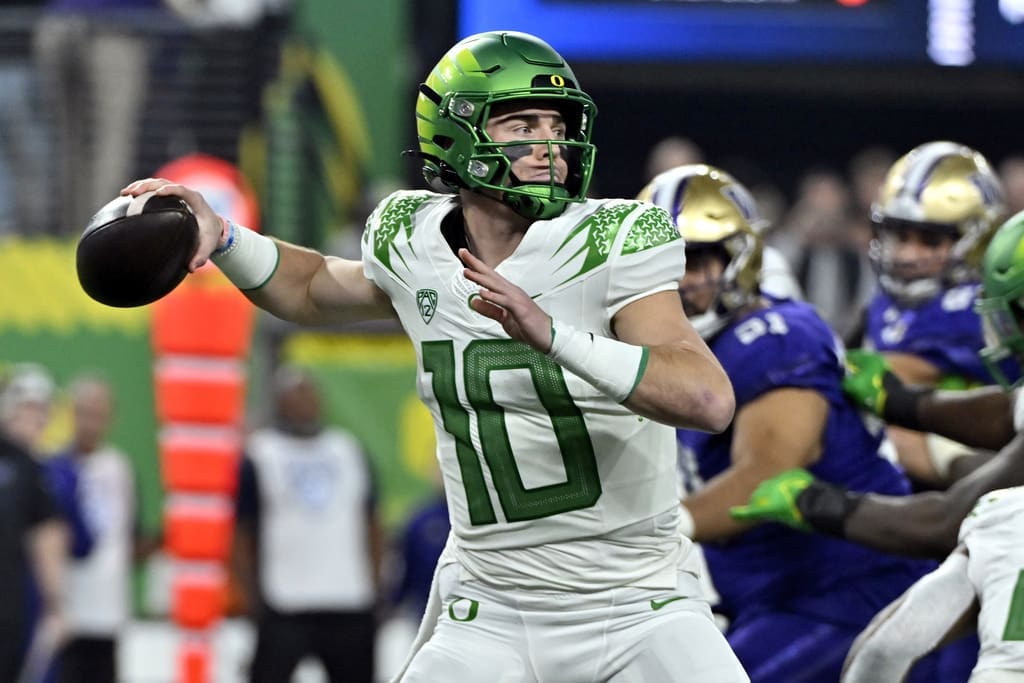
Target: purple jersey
[
  {"x": 945, "y": 331},
  {"x": 789, "y": 345}
]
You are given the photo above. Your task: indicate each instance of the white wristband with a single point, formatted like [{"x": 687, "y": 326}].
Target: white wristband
[
  {"x": 612, "y": 367},
  {"x": 248, "y": 258}
]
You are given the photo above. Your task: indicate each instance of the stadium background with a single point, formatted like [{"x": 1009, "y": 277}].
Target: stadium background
[{"x": 314, "y": 106}]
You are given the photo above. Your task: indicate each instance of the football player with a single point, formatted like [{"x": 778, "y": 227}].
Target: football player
[
  {"x": 555, "y": 358},
  {"x": 980, "y": 584},
  {"x": 935, "y": 213},
  {"x": 925, "y": 524},
  {"x": 985, "y": 417},
  {"x": 795, "y": 602}
]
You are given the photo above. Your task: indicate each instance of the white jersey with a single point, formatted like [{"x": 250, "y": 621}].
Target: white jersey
[
  {"x": 314, "y": 496},
  {"x": 994, "y": 537},
  {"x": 99, "y": 584},
  {"x": 550, "y": 483}
]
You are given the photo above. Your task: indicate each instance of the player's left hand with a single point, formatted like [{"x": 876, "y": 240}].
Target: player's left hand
[
  {"x": 775, "y": 500},
  {"x": 499, "y": 299}
]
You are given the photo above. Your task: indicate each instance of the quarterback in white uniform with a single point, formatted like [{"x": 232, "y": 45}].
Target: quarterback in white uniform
[
  {"x": 555, "y": 358},
  {"x": 563, "y": 466}
]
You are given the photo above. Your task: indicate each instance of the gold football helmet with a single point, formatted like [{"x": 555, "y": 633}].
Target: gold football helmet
[
  {"x": 712, "y": 210},
  {"x": 938, "y": 188}
]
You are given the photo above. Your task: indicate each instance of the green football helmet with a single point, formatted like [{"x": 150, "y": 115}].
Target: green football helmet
[
  {"x": 455, "y": 103},
  {"x": 1001, "y": 304}
]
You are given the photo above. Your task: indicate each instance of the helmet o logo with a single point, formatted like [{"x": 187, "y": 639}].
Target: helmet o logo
[{"x": 557, "y": 80}]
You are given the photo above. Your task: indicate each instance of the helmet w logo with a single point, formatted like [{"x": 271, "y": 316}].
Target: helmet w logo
[{"x": 426, "y": 299}]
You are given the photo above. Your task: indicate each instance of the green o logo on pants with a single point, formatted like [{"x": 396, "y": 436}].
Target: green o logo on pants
[{"x": 465, "y": 612}]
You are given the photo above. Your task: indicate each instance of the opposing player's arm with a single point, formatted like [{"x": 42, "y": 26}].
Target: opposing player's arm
[
  {"x": 940, "y": 607},
  {"x": 912, "y": 369},
  {"x": 767, "y": 440},
  {"x": 927, "y": 457},
  {"x": 924, "y": 524},
  {"x": 683, "y": 384},
  {"x": 927, "y": 523},
  {"x": 981, "y": 418},
  {"x": 292, "y": 282}
]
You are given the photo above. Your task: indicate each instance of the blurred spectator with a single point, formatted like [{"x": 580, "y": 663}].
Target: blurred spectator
[
  {"x": 93, "y": 65},
  {"x": 228, "y": 13},
  {"x": 671, "y": 152},
  {"x": 1011, "y": 172},
  {"x": 867, "y": 171},
  {"x": 99, "y": 584},
  {"x": 815, "y": 238},
  {"x": 23, "y": 148},
  {"x": 33, "y": 537},
  {"x": 308, "y": 542}
]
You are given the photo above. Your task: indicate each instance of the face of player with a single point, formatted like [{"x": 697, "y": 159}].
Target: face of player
[
  {"x": 531, "y": 164},
  {"x": 699, "y": 286},
  {"x": 915, "y": 253}
]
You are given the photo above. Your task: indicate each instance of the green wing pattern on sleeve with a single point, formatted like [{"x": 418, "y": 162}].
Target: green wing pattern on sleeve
[
  {"x": 651, "y": 228},
  {"x": 599, "y": 230},
  {"x": 395, "y": 218}
]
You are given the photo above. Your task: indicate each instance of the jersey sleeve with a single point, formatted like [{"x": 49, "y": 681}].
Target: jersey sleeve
[
  {"x": 651, "y": 258},
  {"x": 367, "y": 243},
  {"x": 387, "y": 229}
]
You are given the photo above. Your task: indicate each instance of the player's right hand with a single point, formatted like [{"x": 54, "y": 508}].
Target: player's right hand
[
  {"x": 867, "y": 380},
  {"x": 211, "y": 228},
  {"x": 774, "y": 500},
  {"x": 500, "y": 300}
]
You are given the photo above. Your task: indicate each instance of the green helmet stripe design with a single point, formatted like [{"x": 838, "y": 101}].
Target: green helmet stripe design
[
  {"x": 454, "y": 105},
  {"x": 1001, "y": 305}
]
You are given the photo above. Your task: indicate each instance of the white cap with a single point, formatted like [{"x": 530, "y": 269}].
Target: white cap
[{"x": 26, "y": 383}]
